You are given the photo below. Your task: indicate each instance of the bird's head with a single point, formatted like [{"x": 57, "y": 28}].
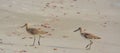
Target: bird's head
[
  {"x": 78, "y": 29},
  {"x": 26, "y": 24}
]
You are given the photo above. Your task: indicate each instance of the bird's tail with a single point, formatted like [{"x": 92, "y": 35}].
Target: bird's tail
[
  {"x": 96, "y": 37},
  {"x": 43, "y": 32}
]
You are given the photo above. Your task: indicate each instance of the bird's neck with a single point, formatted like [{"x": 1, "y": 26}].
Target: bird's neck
[
  {"x": 81, "y": 31},
  {"x": 27, "y": 27}
]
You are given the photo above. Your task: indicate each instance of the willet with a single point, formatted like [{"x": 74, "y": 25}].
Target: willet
[
  {"x": 34, "y": 31},
  {"x": 88, "y": 36}
]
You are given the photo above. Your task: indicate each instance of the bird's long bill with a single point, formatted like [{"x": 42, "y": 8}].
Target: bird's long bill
[
  {"x": 22, "y": 26},
  {"x": 76, "y": 30}
]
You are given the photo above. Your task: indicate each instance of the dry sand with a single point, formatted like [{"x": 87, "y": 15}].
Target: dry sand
[{"x": 61, "y": 18}]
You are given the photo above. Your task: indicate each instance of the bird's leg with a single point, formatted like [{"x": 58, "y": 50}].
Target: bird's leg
[
  {"x": 91, "y": 42},
  {"x": 89, "y": 45},
  {"x": 34, "y": 40},
  {"x": 39, "y": 40}
]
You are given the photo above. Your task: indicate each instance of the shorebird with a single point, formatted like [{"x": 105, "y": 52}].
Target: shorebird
[
  {"x": 88, "y": 36},
  {"x": 34, "y": 31}
]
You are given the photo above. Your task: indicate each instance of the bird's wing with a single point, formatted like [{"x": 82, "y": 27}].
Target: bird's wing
[
  {"x": 91, "y": 36},
  {"x": 33, "y": 30}
]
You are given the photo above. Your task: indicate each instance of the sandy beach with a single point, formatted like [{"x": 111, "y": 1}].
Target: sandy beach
[{"x": 60, "y": 18}]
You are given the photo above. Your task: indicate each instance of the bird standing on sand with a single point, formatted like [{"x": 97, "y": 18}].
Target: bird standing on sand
[
  {"x": 34, "y": 31},
  {"x": 88, "y": 36}
]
